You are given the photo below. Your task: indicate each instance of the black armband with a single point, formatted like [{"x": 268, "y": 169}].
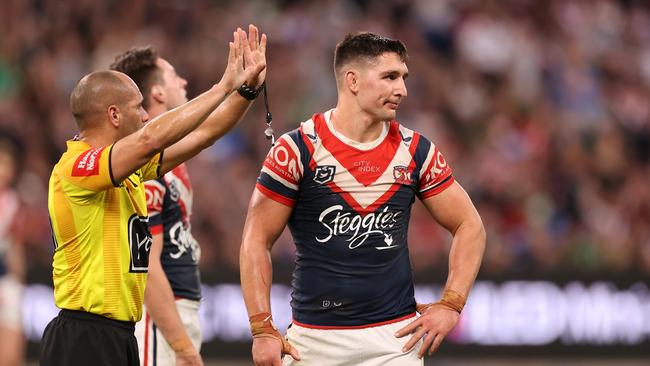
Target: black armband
[{"x": 249, "y": 93}]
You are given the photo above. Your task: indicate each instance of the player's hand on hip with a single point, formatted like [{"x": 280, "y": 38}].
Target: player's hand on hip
[
  {"x": 255, "y": 58},
  {"x": 189, "y": 359},
  {"x": 434, "y": 324},
  {"x": 268, "y": 351}
]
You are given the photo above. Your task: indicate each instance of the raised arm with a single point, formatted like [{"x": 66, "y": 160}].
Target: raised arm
[
  {"x": 133, "y": 151},
  {"x": 454, "y": 210},
  {"x": 264, "y": 223},
  {"x": 229, "y": 113}
]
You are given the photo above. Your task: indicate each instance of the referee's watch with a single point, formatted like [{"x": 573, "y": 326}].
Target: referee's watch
[{"x": 249, "y": 93}]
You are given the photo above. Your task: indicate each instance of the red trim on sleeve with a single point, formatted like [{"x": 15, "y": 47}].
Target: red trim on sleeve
[
  {"x": 434, "y": 191},
  {"x": 156, "y": 229},
  {"x": 276, "y": 196}
]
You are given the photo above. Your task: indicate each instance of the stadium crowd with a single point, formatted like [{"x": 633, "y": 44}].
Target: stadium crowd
[{"x": 541, "y": 108}]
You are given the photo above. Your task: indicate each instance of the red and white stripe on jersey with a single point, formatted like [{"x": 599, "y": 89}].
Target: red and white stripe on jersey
[
  {"x": 283, "y": 163},
  {"x": 435, "y": 174},
  {"x": 372, "y": 169}
]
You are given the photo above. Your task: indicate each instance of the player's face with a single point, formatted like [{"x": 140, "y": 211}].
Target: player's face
[
  {"x": 173, "y": 85},
  {"x": 382, "y": 86}
]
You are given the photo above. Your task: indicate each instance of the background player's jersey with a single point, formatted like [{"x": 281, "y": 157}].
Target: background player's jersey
[
  {"x": 351, "y": 206},
  {"x": 169, "y": 201},
  {"x": 101, "y": 235}
]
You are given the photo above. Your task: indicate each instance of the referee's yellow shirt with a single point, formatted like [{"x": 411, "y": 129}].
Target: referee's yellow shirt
[{"x": 101, "y": 236}]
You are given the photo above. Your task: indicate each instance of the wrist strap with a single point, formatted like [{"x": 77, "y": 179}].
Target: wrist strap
[
  {"x": 249, "y": 93},
  {"x": 182, "y": 346},
  {"x": 262, "y": 327},
  {"x": 451, "y": 300}
]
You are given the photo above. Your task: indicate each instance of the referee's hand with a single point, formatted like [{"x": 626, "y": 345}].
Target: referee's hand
[
  {"x": 268, "y": 351},
  {"x": 433, "y": 324}
]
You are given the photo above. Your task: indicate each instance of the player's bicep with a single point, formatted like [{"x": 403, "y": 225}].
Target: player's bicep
[
  {"x": 451, "y": 207},
  {"x": 265, "y": 220}
]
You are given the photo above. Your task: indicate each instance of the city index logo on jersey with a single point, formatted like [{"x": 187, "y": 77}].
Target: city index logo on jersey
[{"x": 87, "y": 163}]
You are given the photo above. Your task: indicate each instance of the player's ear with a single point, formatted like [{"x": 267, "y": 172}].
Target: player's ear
[
  {"x": 114, "y": 115},
  {"x": 352, "y": 80},
  {"x": 158, "y": 94}
]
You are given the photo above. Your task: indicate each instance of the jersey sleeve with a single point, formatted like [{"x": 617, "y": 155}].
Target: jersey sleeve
[
  {"x": 435, "y": 174},
  {"x": 282, "y": 172},
  {"x": 151, "y": 170},
  {"x": 89, "y": 169},
  {"x": 155, "y": 191}
]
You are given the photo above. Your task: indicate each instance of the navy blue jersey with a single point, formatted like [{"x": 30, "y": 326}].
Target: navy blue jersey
[
  {"x": 351, "y": 208},
  {"x": 169, "y": 203}
]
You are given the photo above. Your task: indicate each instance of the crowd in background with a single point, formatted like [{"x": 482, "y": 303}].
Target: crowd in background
[{"x": 542, "y": 109}]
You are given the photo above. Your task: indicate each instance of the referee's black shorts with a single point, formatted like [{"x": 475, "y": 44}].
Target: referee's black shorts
[{"x": 81, "y": 338}]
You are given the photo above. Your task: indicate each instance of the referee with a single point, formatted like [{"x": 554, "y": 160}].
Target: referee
[{"x": 98, "y": 208}]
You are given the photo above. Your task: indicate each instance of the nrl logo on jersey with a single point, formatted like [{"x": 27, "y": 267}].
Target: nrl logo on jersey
[
  {"x": 359, "y": 228},
  {"x": 324, "y": 174},
  {"x": 402, "y": 175}
]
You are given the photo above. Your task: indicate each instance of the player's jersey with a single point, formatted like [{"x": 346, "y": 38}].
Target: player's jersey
[
  {"x": 351, "y": 206},
  {"x": 169, "y": 201},
  {"x": 102, "y": 240}
]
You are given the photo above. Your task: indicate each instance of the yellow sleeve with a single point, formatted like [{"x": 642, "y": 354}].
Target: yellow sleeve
[
  {"x": 89, "y": 169},
  {"x": 151, "y": 170}
]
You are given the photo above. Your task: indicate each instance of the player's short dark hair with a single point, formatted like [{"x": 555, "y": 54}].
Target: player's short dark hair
[
  {"x": 139, "y": 63},
  {"x": 366, "y": 45}
]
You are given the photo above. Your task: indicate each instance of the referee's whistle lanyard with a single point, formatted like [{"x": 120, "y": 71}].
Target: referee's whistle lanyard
[{"x": 268, "y": 132}]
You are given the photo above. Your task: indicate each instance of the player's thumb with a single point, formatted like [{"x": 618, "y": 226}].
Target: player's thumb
[
  {"x": 294, "y": 353},
  {"x": 289, "y": 349}
]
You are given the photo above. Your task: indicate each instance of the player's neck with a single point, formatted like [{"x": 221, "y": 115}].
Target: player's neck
[
  {"x": 355, "y": 124},
  {"x": 96, "y": 138}
]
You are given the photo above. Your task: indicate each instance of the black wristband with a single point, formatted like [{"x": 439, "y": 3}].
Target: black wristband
[{"x": 248, "y": 92}]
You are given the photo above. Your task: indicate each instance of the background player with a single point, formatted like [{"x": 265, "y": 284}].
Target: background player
[
  {"x": 171, "y": 315},
  {"x": 98, "y": 208},
  {"x": 345, "y": 182}
]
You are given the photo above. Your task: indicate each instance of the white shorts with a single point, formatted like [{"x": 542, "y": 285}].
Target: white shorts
[
  {"x": 371, "y": 346},
  {"x": 153, "y": 347},
  {"x": 11, "y": 291}
]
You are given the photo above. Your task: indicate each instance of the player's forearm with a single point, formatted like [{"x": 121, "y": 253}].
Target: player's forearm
[
  {"x": 256, "y": 274},
  {"x": 465, "y": 256},
  {"x": 173, "y": 125},
  {"x": 161, "y": 305}
]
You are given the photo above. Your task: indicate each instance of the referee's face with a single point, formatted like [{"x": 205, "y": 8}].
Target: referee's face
[
  {"x": 382, "y": 86},
  {"x": 134, "y": 114}
]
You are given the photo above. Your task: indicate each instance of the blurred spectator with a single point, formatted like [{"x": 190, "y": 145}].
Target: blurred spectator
[{"x": 12, "y": 256}]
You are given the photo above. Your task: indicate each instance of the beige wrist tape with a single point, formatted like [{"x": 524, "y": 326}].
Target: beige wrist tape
[
  {"x": 262, "y": 327},
  {"x": 182, "y": 346}
]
